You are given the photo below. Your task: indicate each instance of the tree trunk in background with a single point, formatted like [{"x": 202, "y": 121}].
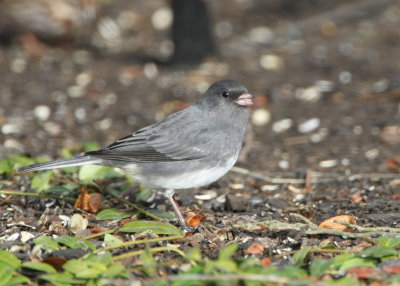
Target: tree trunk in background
[{"x": 191, "y": 31}]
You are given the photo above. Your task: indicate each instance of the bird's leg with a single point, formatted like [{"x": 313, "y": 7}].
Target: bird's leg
[{"x": 169, "y": 194}]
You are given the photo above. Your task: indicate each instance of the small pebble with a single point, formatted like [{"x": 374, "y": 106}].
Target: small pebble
[
  {"x": 150, "y": 70},
  {"x": 309, "y": 125},
  {"x": 13, "y": 237},
  {"x": 206, "y": 195},
  {"x": 25, "y": 236},
  {"x": 52, "y": 128},
  {"x": 328, "y": 163},
  {"x": 345, "y": 162},
  {"x": 75, "y": 91},
  {"x": 83, "y": 79},
  {"x": 345, "y": 77},
  {"x": 282, "y": 125},
  {"x": 261, "y": 35},
  {"x": 162, "y": 19},
  {"x": 236, "y": 186},
  {"x": 103, "y": 124},
  {"x": 80, "y": 114},
  {"x": 42, "y": 112},
  {"x": 381, "y": 86},
  {"x": 10, "y": 129},
  {"x": 310, "y": 94},
  {"x": 269, "y": 188},
  {"x": 283, "y": 164},
  {"x": 109, "y": 30},
  {"x": 372, "y": 154},
  {"x": 260, "y": 117},
  {"x": 271, "y": 62},
  {"x": 18, "y": 65}
]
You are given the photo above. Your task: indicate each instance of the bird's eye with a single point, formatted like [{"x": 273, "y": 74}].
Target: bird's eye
[{"x": 225, "y": 94}]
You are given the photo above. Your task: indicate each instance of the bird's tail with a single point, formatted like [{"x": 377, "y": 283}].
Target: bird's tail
[{"x": 63, "y": 163}]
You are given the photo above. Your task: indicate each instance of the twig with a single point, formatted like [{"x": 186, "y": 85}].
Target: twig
[
  {"x": 132, "y": 205},
  {"x": 319, "y": 250},
  {"x": 155, "y": 249},
  {"x": 39, "y": 195},
  {"x": 128, "y": 243}
]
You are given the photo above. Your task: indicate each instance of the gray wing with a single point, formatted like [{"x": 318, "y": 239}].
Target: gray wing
[{"x": 180, "y": 137}]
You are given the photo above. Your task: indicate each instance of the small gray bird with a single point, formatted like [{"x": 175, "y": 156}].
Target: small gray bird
[{"x": 190, "y": 148}]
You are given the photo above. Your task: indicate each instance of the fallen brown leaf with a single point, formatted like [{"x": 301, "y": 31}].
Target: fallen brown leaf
[
  {"x": 94, "y": 203},
  {"x": 56, "y": 262},
  {"x": 255, "y": 248},
  {"x": 362, "y": 272},
  {"x": 393, "y": 269},
  {"x": 82, "y": 202},
  {"x": 194, "y": 220},
  {"x": 357, "y": 198},
  {"x": 334, "y": 222}
]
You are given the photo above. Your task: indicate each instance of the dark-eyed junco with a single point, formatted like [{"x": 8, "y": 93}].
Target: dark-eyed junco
[{"x": 190, "y": 148}]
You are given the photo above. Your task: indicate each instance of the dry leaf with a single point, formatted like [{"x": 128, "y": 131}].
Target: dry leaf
[
  {"x": 56, "y": 262},
  {"x": 362, "y": 272},
  {"x": 266, "y": 261},
  {"x": 357, "y": 198},
  {"x": 94, "y": 203},
  {"x": 393, "y": 269},
  {"x": 255, "y": 248},
  {"x": 334, "y": 222},
  {"x": 82, "y": 202},
  {"x": 194, "y": 220},
  {"x": 78, "y": 223}
]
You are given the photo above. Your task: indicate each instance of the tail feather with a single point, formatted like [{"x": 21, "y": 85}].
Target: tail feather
[{"x": 63, "y": 163}]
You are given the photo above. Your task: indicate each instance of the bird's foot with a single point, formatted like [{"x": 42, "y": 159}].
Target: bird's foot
[{"x": 169, "y": 194}]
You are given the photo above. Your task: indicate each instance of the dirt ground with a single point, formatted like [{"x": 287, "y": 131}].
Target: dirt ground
[{"x": 325, "y": 73}]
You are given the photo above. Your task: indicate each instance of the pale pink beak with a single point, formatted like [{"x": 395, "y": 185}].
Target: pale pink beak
[{"x": 245, "y": 99}]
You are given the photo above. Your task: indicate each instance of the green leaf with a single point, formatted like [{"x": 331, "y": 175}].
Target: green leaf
[
  {"x": 115, "y": 270},
  {"x": 62, "y": 190},
  {"x": 379, "y": 251},
  {"x": 389, "y": 241},
  {"x": 293, "y": 272},
  {"x": 9, "y": 259},
  {"x": 156, "y": 226},
  {"x": 61, "y": 279},
  {"x": 84, "y": 268},
  {"x": 357, "y": 262},
  {"x": 47, "y": 243},
  {"x": 161, "y": 213},
  {"x": 17, "y": 280},
  {"x": 91, "y": 146},
  {"x": 5, "y": 167},
  {"x": 345, "y": 281},
  {"x": 5, "y": 274},
  {"x": 301, "y": 254},
  {"x": 41, "y": 181},
  {"x": 194, "y": 254},
  {"x": 319, "y": 266},
  {"x": 340, "y": 259},
  {"x": 114, "y": 214},
  {"x": 75, "y": 242},
  {"x": 39, "y": 266},
  {"x": 104, "y": 258},
  {"x": 110, "y": 239},
  {"x": 227, "y": 252},
  {"x": 89, "y": 173},
  {"x": 144, "y": 194},
  {"x": 17, "y": 161}
]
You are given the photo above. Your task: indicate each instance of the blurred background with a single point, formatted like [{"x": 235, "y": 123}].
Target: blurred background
[{"x": 325, "y": 73}]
